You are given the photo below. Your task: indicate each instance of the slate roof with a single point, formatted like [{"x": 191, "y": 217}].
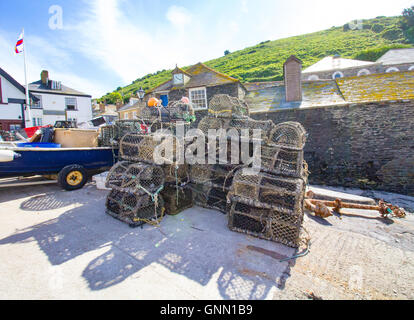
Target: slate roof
[
  {"x": 22, "y": 89},
  {"x": 395, "y": 86},
  {"x": 397, "y": 56},
  {"x": 335, "y": 63},
  {"x": 38, "y": 86},
  {"x": 200, "y": 76}
]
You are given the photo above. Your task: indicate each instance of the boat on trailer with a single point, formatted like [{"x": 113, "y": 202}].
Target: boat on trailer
[{"x": 70, "y": 167}]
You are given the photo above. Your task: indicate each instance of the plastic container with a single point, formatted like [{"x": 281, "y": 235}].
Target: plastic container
[
  {"x": 100, "y": 180},
  {"x": 38, "y": 145}
]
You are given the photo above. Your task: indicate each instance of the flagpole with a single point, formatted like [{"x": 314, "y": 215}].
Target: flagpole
[{"x": 29, "y": 113}]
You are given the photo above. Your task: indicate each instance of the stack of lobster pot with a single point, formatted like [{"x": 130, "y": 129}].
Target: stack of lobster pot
[
  {"x": 227, "y": 117},
  {"x": 134, "y": 196},
  {"x": 268, "y": 203}
]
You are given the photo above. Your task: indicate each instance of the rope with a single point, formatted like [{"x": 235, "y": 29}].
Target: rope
[{"x": 308, "y": 243}]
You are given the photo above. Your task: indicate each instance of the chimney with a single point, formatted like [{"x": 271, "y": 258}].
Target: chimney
[
  {"x": 292, "y": 70},
  {"x": 44, "y": 76}
]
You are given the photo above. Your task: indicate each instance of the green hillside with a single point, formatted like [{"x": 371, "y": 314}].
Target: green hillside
[{"x": 264, "y": 61}]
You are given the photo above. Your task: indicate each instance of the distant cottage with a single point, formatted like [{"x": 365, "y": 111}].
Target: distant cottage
[{"x": 199, "y": 82}]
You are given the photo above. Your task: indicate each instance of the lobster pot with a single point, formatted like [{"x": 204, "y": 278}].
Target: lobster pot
[
  {"x": 128, "y": 146},
  {"x": 212, "y": 175},
  {"x": 214, "y": 123},
  {"x": 139, "y": 178},
  {"x": 288, "y": 134},
  {"x": 154, "y": 114},
  {"x": 283, "y": 161},
  {"x": 266, "y": 223},
  {"x": 283, "y": 194},
  {"x": 180, "y": 111},
  {"x": 176, "y": 174},
  {"x": 123, "y": 127},
  {"x": 210, "y": 196},
  {"x": 134, "y": 209},
  {"x": 107, "y": 136},
  {"x": 225, "y": 106},
  {"x": 244, "y": 124},
  {"x": 177, "y": 199}
]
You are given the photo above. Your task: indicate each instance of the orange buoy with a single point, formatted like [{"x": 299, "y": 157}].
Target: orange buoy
[{"x": 154, "y": 102}]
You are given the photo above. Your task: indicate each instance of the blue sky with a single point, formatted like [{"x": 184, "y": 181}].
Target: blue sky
[{"x": 109, "y": 43}]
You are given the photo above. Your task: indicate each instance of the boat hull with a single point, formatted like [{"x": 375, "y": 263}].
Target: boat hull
[{"x": 38, "y": 161}]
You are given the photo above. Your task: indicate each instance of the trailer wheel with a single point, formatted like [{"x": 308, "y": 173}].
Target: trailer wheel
[{"x": 72, "y": 177}]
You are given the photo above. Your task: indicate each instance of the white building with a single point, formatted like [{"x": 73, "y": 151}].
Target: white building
[
  {"x": 12, "y": 103},
  {"x": 58, "y": 102}
]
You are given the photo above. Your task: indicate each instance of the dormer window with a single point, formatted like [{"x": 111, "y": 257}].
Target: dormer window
[{"x": 178, "y": 78}]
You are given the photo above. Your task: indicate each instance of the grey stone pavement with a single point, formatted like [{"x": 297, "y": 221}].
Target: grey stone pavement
[{"x": 61, "y": 245}]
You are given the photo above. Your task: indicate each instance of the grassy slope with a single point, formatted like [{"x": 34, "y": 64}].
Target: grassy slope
[{"x": 264, "y": 61}]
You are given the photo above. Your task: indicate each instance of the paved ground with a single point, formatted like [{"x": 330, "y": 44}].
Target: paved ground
[{"x": 61, "y": 245}]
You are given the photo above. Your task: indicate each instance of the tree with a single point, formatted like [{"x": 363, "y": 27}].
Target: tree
[
  {"x": 407, "y": 23},
  {"x": 226, "y": 52},
  {"x": 114, "y": 97}
]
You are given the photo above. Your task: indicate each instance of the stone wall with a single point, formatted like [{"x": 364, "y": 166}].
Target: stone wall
[{"x": 364, "y": 145}]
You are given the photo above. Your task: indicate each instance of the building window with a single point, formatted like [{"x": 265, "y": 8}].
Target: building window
[
  {"x": 15, "y": 127},
  {"x": 134, "y": 115},
  {"x": 37, "y": 105},
  {"x": 71, "y": 104},
  {"x": 73, "y": 120},
  {"x": 363, "y": 72},
  {"x": 411, "y": 68},
  {"x": 37, "y": 122},
  {"x": 337, "y": 74},
  {"x": 198, "y": 98},
  {"x": 392, "y": 69}
]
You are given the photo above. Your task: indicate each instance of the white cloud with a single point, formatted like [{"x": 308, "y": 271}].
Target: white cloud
[
  {"x": 179, "y": 16},
  {"x": 42, "y": 55},
  {"x": 245, "y": 7}
]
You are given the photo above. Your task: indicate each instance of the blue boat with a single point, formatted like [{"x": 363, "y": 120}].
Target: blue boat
[{"x": 71, "y": 165}]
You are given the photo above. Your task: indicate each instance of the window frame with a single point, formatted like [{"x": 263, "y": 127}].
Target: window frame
[
  {"x": 66, "y": 104},
  {"x": 39, "y": 103},
  {"x": 190, "y": 91}
]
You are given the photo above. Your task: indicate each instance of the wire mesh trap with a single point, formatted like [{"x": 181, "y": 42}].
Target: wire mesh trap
[
  {"x": 177, "y": 199},
  {"x": 225, "y": 106},
  {"x": 135, "y": 209},
  {"x": 138, "y": 178},
  {"x": 180, "y": 111},
  {"x": 288, "y": 134},
  {"x": 212, "y": 175},
  {"x": 210, "y": 197},
  {"x": 283, "y": 161},
  {"x": 142, "y": 148},
  {"x": 279, "y": 193},
  {"x": 265, "y": 223}
]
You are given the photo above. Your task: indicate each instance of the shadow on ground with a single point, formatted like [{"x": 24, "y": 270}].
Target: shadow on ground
[{"x": 195, "y": 244}]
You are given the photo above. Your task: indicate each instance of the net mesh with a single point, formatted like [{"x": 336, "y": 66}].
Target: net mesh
[
  {"x": 225, "y": 106},
  {"x": 136, "y": 178},
  {"x": 288, "y": 134}
]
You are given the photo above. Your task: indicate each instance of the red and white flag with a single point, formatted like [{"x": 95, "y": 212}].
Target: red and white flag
[{"x": 19, "y": 44}]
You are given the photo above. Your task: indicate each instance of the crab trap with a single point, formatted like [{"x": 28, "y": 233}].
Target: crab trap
[
  {"x": 266, "y": 223},
  {"x": 225, "y": 106},
  {"x": 135, "y": 209},
  {"x": 283, "y": 161},
  {"x": 177, "y": 199},
  {"x": 270, "y": 191},
  {"x": 209, "y": 196},
  {"x": 153, "y": 148},
  {"x": 288, "y": 134},
  {"x": 139, "y": 178}
]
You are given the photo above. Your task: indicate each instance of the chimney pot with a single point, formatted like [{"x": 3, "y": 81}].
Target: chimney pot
[
  {"x": 292, "y": 70},
  {"x": 44, "y": 76}
]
